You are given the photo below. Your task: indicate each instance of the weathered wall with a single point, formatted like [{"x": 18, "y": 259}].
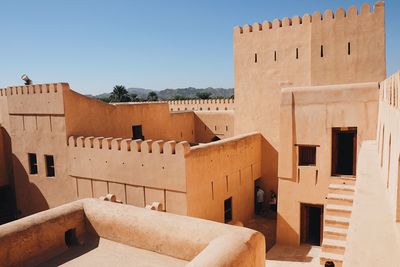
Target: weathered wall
[
  {"x": 389, "y": 139},
  {"x": 37, "y": 125},
  {"x": 138, "y": 173},
  {"x": 101, "y": 119},
  {"x": 202, "y": 105},
  {"x": 308, "y": 115},
  {"x": 220, "y": 170},
  {"x": 258, "y": 84}
]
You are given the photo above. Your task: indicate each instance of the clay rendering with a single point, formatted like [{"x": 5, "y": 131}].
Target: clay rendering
[{"x": 297, "y": 160}]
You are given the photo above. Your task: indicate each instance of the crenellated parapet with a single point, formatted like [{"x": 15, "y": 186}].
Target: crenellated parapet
[
  {"x": 307, "y": 19},
  {"x": 201, "y": 105},
  {"x": 36, "y": 98},
  {"x": 128, "y": 145}
]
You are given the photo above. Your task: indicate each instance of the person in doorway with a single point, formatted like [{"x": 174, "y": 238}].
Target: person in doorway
[
  {"x": 273, "y": 201},
  {"x": 329, "y": 264},
  {"x": 259, "y": 200}
]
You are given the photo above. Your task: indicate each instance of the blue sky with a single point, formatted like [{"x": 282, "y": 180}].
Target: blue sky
[{"x": 94, "y": 45}]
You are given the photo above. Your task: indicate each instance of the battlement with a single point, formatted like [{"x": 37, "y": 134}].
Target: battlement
[
  {"x": 201, "y": 104},
  {"x": 129, "y": 145},
  {"x": 33, "y": 89},
  {"x": 317, "y": 17}
]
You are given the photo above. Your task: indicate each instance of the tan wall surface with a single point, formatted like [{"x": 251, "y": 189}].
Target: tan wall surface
[
  {"x": 307, "y": 117},
  {"x": 101, "y": 119},
  {"x": 209, "y": 124},
  {"x": 388, "y": 137},
  {"x": 258, "y": 84},
  {"x": 220, "y": 170}
]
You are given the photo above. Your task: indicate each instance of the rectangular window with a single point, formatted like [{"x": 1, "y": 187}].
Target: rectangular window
[
  {"x": 50, "y": 171},
  {"x": 137, "y": 132},
  {"x": 307, "y": 155},
  {"x": 228, "y": 210},
  {"x": 33, "y": 168}
]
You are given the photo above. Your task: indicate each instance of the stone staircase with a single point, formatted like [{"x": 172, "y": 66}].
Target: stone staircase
[{"x": 337, "y": 219}]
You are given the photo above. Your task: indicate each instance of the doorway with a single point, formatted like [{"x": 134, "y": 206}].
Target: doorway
[
  {"x": 311, "y": 218},
  {"x": 344, "y": 151},
  {"x": 137, "y": 132}
]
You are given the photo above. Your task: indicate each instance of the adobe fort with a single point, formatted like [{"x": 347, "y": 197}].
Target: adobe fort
[{"x": 308, "y": 153}]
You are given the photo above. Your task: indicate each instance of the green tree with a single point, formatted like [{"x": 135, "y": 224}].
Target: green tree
[
  {"x": 134, "y": 97},
  {"x": 179, "y": 97},
  {"x": 120, "y": 94},
  {"x": 204, "y": 95},
  {"x": 152, "y": 96}
]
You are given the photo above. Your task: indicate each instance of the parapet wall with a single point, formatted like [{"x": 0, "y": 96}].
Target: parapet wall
[
  {"x": 326, "y": 17},
  {"x": 389, "y": 139},
  {"x": 35, "y": 99},
  {"x": 155, "y": 164},
  {"x": 201, "y": 105}
]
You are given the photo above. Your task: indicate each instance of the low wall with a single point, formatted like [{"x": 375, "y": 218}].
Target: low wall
[
  {"x": 35, "y": 239},
  {"x": 389, "y": 139}
]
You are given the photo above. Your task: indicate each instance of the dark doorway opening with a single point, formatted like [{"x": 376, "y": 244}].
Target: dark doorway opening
[
  {"x": 344, "y": 151},
  {"x": 137, "y": 132},
  {"x": 228, "y": 210},
  {"x": 70, "y": 238},
  {"x": 311, "y": 224}
]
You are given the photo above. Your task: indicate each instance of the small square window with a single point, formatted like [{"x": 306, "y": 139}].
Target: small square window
[
  {"x": 307, "y": 155},
  {"x": 33, "y": 168},
  {"x": 50, "y": 171}
]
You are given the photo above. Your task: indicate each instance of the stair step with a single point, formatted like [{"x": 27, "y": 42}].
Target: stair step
[
  {"x": 342, "y": 208},
  {"x": 337, "y": 221},
  {"x": 334, "y": 243},
  {"x": 339, "y": 199},
  {"x": 345, "y": 187},
  {"x": 335, "y": 231}
]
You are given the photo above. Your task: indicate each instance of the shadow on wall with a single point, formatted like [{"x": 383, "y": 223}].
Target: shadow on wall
[
  {"x": 203, "y": 133},
  {"x": 30, "y": 199},
  {"x": 269, "y": 169}
]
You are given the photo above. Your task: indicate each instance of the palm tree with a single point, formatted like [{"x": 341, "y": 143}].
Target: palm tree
[{"x": 119, "y": 94}]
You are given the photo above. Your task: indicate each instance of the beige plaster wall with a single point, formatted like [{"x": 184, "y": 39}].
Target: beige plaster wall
[
  {"x": 308, "y": 115},
  {"x": 37, "y": 125},
  {"x": 101, "y": 119},
  {"x": 258, "y": 84},
  {"x": 389, "y": 141},
  {"x": 138, "y": 173},
  {"x": 209, "y": 124},
  {"x": 220, "y": 170},
  {"x": 37, "y": 238}
]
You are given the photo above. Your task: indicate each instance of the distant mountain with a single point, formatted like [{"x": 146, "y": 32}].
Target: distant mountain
[{"x": 170, "y": 94}]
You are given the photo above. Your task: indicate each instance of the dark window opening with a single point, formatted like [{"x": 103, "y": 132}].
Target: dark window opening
[
  {"x": 348, "y": 48},
  {"x": 137, "y": 132},
  {"x": 344, "y": 151},
  {"x": 228, "y": 210},
  {"x": 307, "y": 155},
  {"x": 33, "y": 168},
  {"x": 322, "y": 51},
  {"x": 255, "y": 58},
  {"x": 70, "y": 238},
  {"x": 274, "y": 55},
  {"x": 297, "y": 53},
  {"x": 311, "y": 224},
  {"x": 50, "y": 171}
]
